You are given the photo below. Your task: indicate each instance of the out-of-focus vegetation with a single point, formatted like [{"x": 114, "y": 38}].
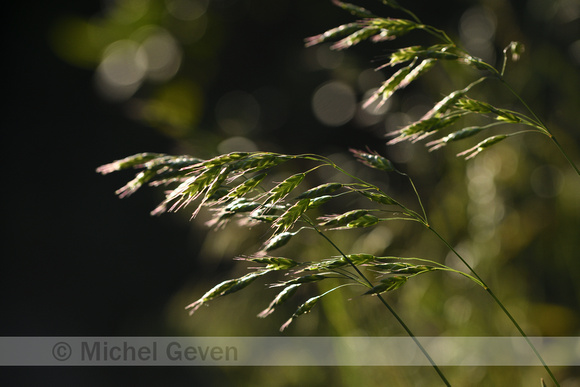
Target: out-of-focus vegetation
[{"x": 219, "y": 76}]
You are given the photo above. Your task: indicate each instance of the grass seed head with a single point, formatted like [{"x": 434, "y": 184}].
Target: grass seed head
[
  {"x": 282, "y": 297},
  {"x": 388, "y": 284},
  {"x": 320, "y": 190},
  {"x": 373, "y": 160}
]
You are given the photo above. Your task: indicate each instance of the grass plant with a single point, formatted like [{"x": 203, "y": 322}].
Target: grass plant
[{"x": 236, "y": 187}]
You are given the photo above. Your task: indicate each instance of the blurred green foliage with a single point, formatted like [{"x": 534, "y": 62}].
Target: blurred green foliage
[{"x": 236, "y": 77}]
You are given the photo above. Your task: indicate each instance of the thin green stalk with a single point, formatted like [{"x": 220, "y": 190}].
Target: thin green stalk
[
  {"x": 544, "y": 128},
  {"x": 564, "y": 153},
  {"x": 417, "y": 195},
  {"x": 499, "y": 303},
  {"x": 386, "y": 304}
]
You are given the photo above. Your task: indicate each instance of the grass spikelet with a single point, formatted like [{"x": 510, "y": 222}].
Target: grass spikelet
[
  {"x": 354, "y": 9},
  {"x": 379, "y": 197},
  {"x": 288, "y": 218},
  {"x": 319, "y": 201},
  {"x": 417, "y": 71},
  {"x": 213, "y": 187},
  {"x": 367, "y": 220},
  {"x": 481, "y": 107},
  {"x": 326, "y": 264},
  {"x": 188, "y": 191},
  {"x": 360, "y": 259},
  {"x": 392, "y": 28},
  {"x": 302, "y": 309},
  {"x": 472, "y": 152},
  {"x": 128, "y": 162},
  {"x": 132, "y": 186},
  {"x": 224, "y": 288},
  {"x": 426, "y": 126},
  {"x": 403, "y": 268},
  {"x": 244, "y": 187},
  {"x": 280, "y": 191},
  {"x": 455, "y": 136},
  {"x": 306, "y": 307},
  {"x": 355, "y": 38},
  {"x": 224, "y": 159},
  {"x": 388, "y": 284},
  {"x": 439, "y": 51},
  {"x": 274, "y": 263},
  {"x": 373, "y": 160},
  {"x": 302, "y": 280},
  {"x": 342, "y": 219},
  {"x": 282, "y": 297},
  {"x": 323, "y": 189},
  {"x": 258, "y": 161},
  {"x": 389, "y": 87},
  {"x": 279, "y": 240},
  {"x": 241, "y": 205},
  {"x": 338, "y": 32}
]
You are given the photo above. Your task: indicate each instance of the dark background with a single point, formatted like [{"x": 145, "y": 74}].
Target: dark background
[{"x": 76, "y": 260}]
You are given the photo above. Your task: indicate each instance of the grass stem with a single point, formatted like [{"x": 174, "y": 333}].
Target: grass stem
[
  {"x": 386, "y": 304},
  {"x": 499, "y": 303}
]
